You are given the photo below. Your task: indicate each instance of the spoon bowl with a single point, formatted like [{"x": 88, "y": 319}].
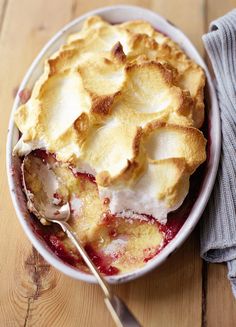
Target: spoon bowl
[{"x": 47, "y": 207}]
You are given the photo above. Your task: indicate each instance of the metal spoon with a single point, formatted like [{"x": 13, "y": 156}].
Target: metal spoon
[{"x": 47, "y": 211}]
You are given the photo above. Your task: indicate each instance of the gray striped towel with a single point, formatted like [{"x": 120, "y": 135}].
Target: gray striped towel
[{"x": 218, "y": 226}]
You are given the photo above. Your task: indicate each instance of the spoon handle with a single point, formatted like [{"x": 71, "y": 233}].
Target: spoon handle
[
  {"x": 119, "y": 311},
  {"x": 121, "y": 314}
]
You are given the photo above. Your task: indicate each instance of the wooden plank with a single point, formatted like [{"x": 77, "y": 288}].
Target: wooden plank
[
  {"x": 218, "y": 8},
  {"x": 27, "y": 26},
  {"x": 32, "y": 292},
  {"x": 220, "y": 303}
]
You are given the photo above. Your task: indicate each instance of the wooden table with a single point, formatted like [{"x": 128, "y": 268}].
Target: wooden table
[{"x": 182, "y": 292}]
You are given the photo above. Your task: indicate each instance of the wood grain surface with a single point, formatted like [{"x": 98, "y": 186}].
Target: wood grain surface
[{"x": 183, "y": 292}]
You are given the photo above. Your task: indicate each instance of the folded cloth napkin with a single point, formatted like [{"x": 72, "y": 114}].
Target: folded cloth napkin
[{"x": 218, "y": 226}]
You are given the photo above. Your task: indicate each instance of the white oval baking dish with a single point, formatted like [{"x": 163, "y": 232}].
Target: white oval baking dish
[{"x": 115, "y": 14}]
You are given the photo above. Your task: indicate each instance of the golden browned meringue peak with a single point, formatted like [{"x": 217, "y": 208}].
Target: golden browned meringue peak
[{"x": 123, "y": 102}]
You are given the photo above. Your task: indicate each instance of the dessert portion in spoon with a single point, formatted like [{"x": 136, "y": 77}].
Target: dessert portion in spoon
[{"x": 116, "y": 117}]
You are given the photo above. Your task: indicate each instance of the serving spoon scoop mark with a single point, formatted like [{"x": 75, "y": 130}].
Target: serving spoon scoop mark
[{"x": 49, "y": 212}]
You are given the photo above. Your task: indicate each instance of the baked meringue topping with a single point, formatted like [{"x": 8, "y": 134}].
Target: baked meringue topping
[{"x": 125, "y": 104}]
